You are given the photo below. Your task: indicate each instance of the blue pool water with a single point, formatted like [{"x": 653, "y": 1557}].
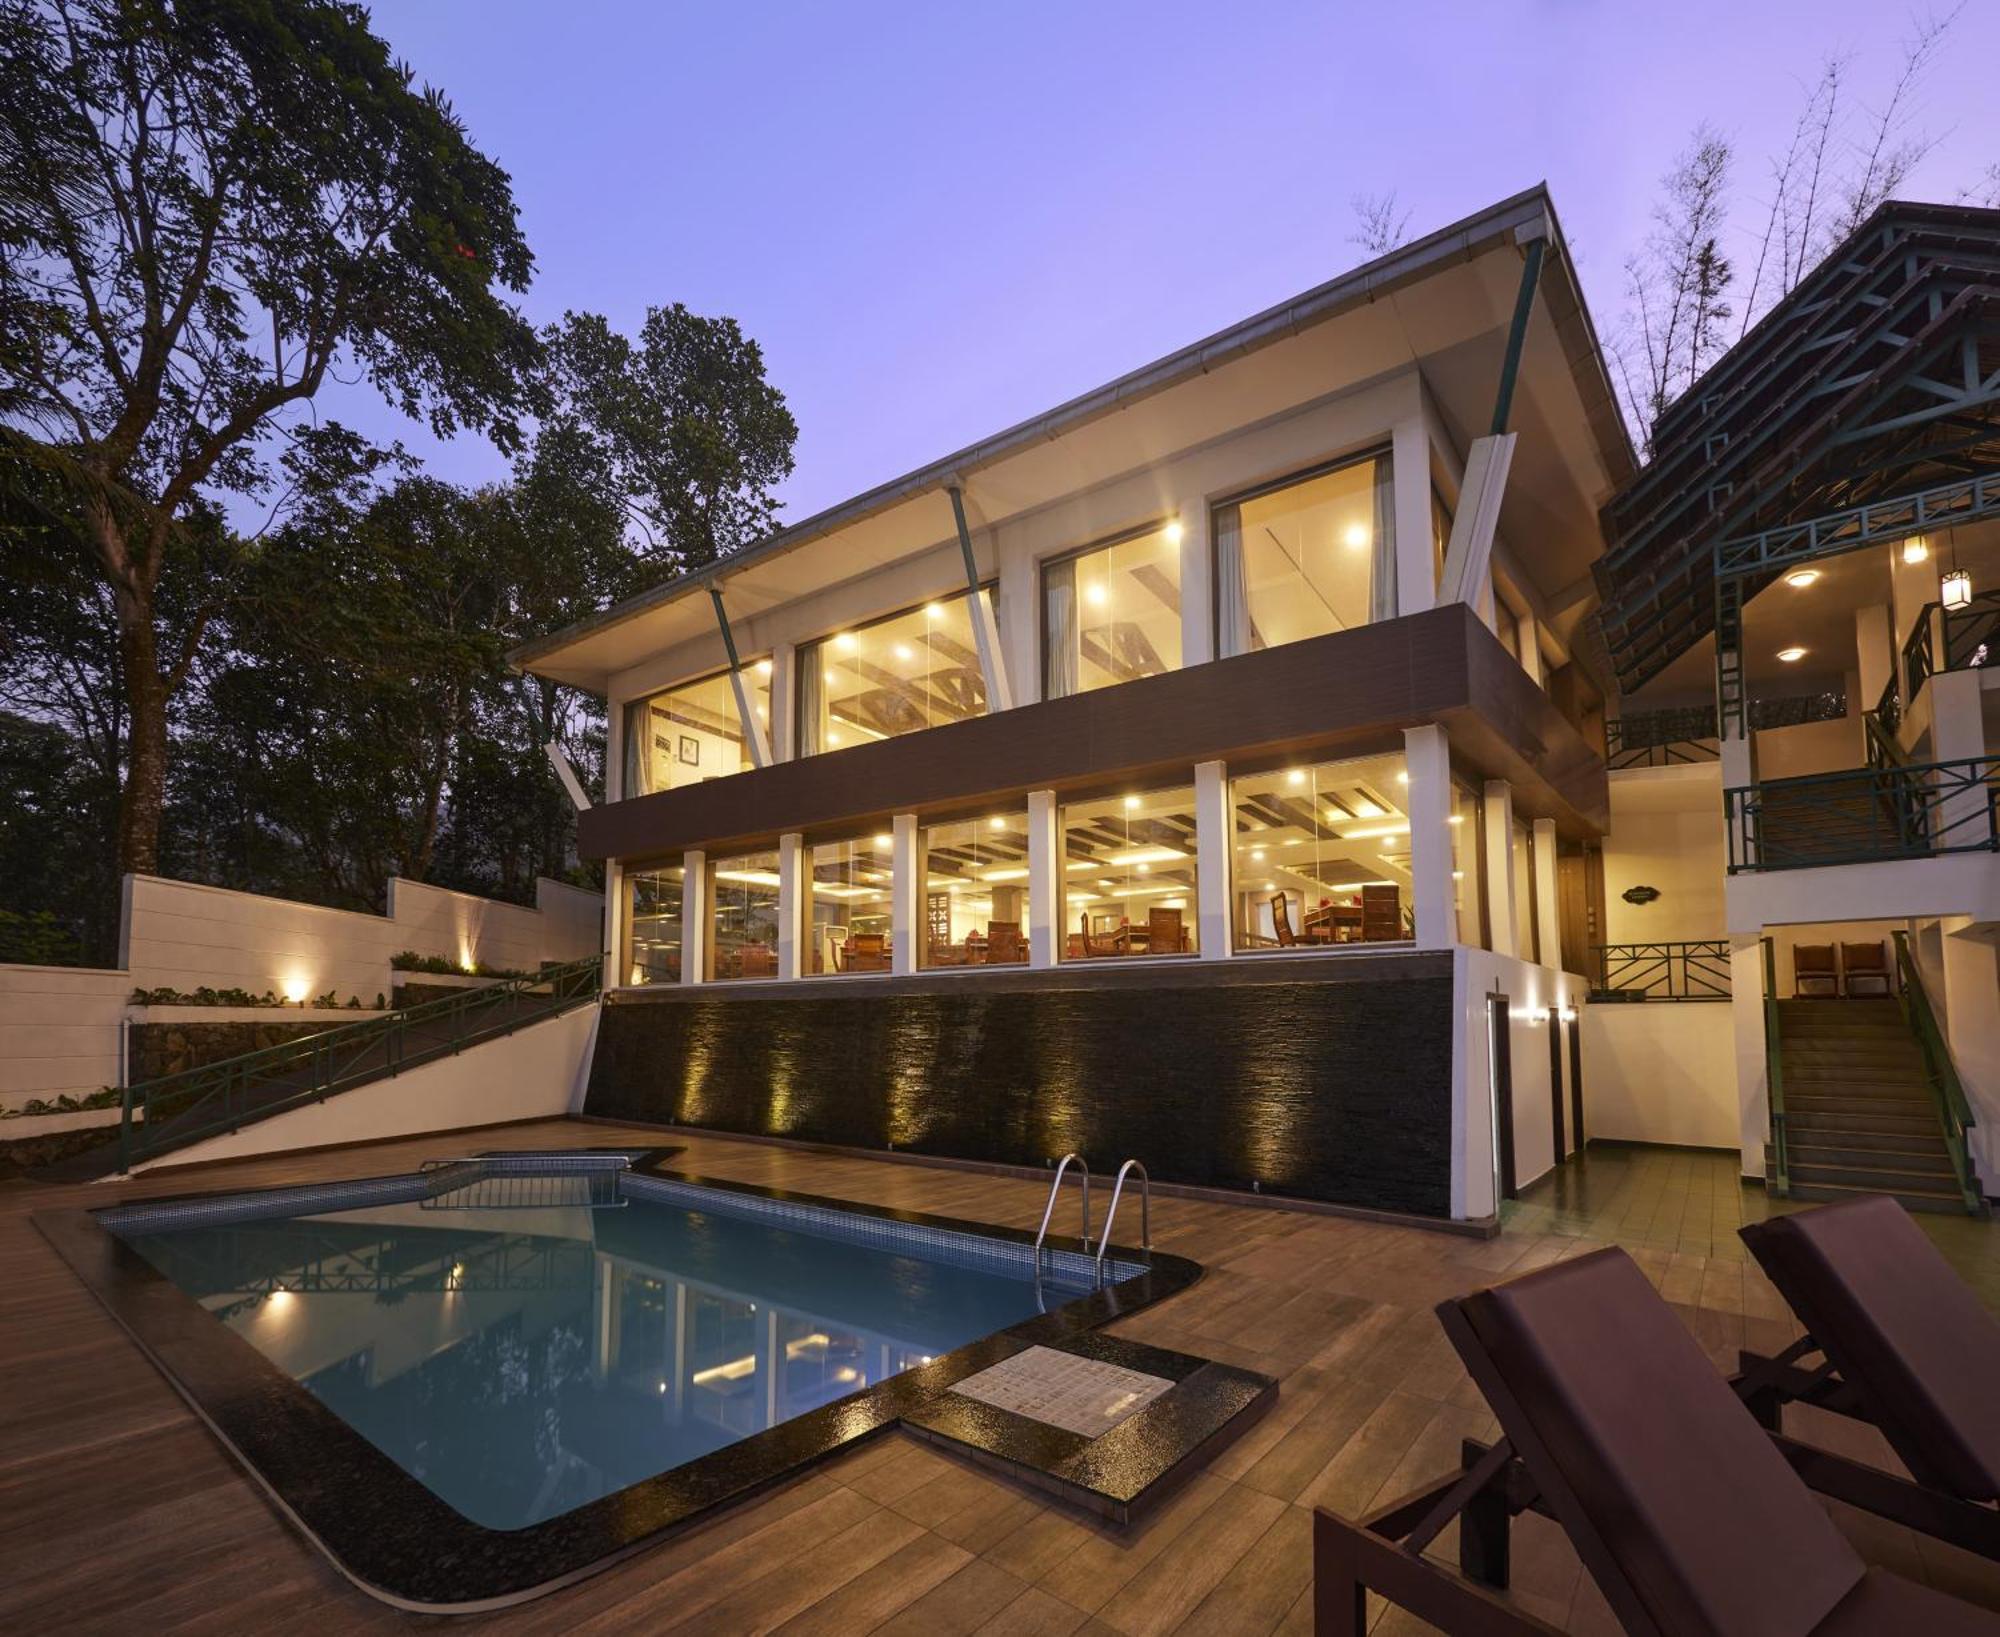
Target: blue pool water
[{"x": 521, "y": 1362}]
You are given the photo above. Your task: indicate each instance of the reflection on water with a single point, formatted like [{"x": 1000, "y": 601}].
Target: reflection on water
[{"x": 521, "y": 1363}]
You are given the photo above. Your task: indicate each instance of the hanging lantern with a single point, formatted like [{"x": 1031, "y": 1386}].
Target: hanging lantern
[{"x": 1955, "y": 589}]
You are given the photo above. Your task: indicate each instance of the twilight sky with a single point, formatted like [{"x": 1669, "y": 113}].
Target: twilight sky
[{"x": 940, "y": 218}]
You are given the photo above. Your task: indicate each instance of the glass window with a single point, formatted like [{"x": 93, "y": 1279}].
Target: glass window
[
  {"x": 848, "y": 906},
  {"x": 1468, "y": 864},
  {"x": 1440, "y": 534},
  {"x": 1322, "y": 855},
  {"x": 1524, "y": 890},
  {"x": 743, "y": 934},
  {"x": 1129, "y": 875},
  {"x": 911, "y": 671},
  {"x": 1112, "y": 613},
  {"x": 976, "y": 892},
  {"x": 1313, "y": 556},
  {"x": 692, "y": 732},
  {"x": 653, "y": 926}
]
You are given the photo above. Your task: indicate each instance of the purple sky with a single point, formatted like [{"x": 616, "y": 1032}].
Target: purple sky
[{"x": 938, "y": 219}]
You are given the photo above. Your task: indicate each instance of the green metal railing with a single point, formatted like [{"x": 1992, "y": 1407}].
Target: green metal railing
[
  {"x": 1695, "y": 969},
  {"x": 1774, "y": 1077},
  {"x": 1971, "y": 638},
  {"x": 1919, "y": 810},
  {"x": 1940, "y": 1074},
  {"x": 178, "y": 1109},
  {"x": 1688, "y": 733}
]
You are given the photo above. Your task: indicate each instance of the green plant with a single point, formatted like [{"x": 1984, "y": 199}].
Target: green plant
[
  {"x": 409, "y": 960},
  {"x": 107, "y": 1097},
  {"x": 38, "y": 939}
]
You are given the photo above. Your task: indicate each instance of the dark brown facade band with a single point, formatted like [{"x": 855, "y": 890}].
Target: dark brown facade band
[{"x": 1350, "y": 693}]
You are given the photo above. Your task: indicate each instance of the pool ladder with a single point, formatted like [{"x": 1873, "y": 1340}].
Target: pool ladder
[{"x": 1117, "y": 1192}]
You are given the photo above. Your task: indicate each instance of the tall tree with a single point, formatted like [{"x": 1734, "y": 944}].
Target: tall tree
[{"x": 208, "y": 203}]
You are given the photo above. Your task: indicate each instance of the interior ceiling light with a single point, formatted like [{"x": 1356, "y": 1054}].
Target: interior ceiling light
[
  {"x": 1174, "y": 533},
  {"x": 1145, "y": 855},
  {"x": 1095, "y": 594},
  {"x": 1377, "y": 833},
  {"x": 1802, "y": 577},
  {"x": 1791, "y": 656},
  {"x": 1366, "y": 809},
  {"x": 996, "y": 824},
  {"x": 846, "y": 642},
  {"x": 1915, "y": 549},
  {"x": 885, "y": 841},
  {"x": 1296, "y": 776},
  {"x": 1356, "y": 536}
]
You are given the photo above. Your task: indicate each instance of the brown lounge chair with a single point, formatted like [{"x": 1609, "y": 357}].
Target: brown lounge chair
[
  {"x": 1905, "y": 1345},
  {"x": 1617, "y": 1426}
]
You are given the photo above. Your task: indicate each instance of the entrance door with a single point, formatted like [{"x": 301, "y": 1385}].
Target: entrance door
[
  {"x": 1576, "y": 1079},
  {"x": 1500, "y": 1049},
  {"x": 1556, "y": 1083}
]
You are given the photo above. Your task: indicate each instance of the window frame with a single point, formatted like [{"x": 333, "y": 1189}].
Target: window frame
[
  {"x": 1071, "y": 554},
  {"x": 695, "y": 681},
  {"x": 806, "y": 646}
]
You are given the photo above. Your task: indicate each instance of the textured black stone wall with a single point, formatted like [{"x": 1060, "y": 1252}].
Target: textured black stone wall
[{"x": 1329, "y": 1090}]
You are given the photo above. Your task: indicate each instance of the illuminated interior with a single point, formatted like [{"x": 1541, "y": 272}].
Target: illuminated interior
[
  {"x": 976, "y": 891},
  {"x": 1322, "y": 855},
  {"x": 914, "y": 670},
  {"x": 1129, "y": 875},
  {"x": 653, "y": 925},
  {"x": 1310, "y": 558},
  {"x": 1112, "y": 613},
  {"x": 848, "y": 906},
  {"x": 743, "y": 916},
  {"x": 692, "y": 732}
]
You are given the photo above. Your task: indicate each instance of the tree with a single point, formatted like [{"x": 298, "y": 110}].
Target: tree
[
  {"x": 680, "y": 430},
  {"x": 1379, "y": 226},
  {"x": 208, "y": 203}
]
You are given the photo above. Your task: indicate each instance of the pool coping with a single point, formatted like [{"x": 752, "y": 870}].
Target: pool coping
[{"x": 402, "y": 1544}]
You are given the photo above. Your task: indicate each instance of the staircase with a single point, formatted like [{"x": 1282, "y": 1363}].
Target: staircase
[{"x": 1859, "y": 1115}]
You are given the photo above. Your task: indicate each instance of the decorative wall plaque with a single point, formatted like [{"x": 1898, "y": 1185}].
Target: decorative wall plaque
[{"x": 1640, "y": 895}]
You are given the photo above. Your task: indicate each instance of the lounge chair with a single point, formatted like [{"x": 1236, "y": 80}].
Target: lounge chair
[
  {"x": 1905, "y": 1345},
  {"x": 1864, "y": 964},
  {"x": 1616, "y": 1425},
  {"x": 1813, "y": 970}
]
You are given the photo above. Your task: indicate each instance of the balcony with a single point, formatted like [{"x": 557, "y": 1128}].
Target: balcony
[
  {"x": 1956, "y": 639},
  {"x": 1865, "y": 815}
]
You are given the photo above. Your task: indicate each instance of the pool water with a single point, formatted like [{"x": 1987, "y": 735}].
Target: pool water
[{"x": 521, "y": 1362}]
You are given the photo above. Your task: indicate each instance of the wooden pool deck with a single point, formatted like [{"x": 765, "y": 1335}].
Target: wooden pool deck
[{"x": 118, "y": 1512}]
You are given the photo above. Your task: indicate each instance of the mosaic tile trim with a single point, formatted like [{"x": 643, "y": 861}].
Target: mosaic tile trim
[
  {"x": 1086, "y": 1396},
  {"x": 306, "y": 1200}
]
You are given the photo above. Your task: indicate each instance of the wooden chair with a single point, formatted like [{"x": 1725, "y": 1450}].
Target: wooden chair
[
  {"x": 1281, "y": 920},
  {"x": 759, "y": 961},
  {"x": 1864, "y": 964},
  {"x": 866, "y": 952},
  {"x": 1099, "y": 943},
  {"x": 1381, "y": 914},
  {"x": 1165, "y": 932},
  {"x": 1812, "y": 965},
  {"x": 1004, "y": 944}
]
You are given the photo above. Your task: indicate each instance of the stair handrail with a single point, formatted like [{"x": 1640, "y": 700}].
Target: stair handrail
[
  {"x": 1049, "y": 1210},
  {"x": 1774, "y": 1075},
  {"x": 331, "y": 1058},
  {"x": 1145, "y": 1213},
  {"x": 1940, "y": 1073}
]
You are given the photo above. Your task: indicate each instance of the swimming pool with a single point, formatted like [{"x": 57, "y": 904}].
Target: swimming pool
[{"x": 486, "y": 1379}]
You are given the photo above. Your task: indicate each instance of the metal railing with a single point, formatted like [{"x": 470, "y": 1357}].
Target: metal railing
[
  {"x": 1888, "y": 711},
  {"x": 1971, "y": 637},
  {"x": 1940, "y": 1073},
  {"x": 1662, "y": 738},
  {"x": 1145, "y": 1213},
  {"x": 177, "y": 1109},
  {"x": 1774, "y": 1077},
  {"x": 1865, "y": 815},
  {"x": 1919, "y": 658},
  {"x": 1691, "y": 969},
  {"x": 1049, "y": 1210}
]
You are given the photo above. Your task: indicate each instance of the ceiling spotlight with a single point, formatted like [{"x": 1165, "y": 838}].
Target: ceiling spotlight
[
  {"x": 1356, "y": 536},
  {"x": 846, "y": 642},
  {"x": 1791, "y": 656},
  {"x": 1802, "y": 577},
  {"x": 1296, "y": 776},
  {"x": 1175, "y": 532},
  {"x": 885, "y": 841},
  {"x": 1915, "y": 549},
  {"x": 904, "y": 652},
  {"x": 996, "y": 824},
  {"x": 1131, "y": 802}
]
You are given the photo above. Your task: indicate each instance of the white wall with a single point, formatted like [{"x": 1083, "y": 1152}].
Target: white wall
[
  {"x": 1811, "y": 747},
  {"x": 1530, "y": 991},
  {"x": 61, "y": 1030},
  {"x": 1661, "y": 1072},
  {"x": 535, "y": 1073},
  {"x": 1666, "y": 833}
]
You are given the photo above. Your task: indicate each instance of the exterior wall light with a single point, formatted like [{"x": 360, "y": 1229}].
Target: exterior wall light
[
  {"x": 1915, "y": 549},
  {"x": 1955, "y": 589}
]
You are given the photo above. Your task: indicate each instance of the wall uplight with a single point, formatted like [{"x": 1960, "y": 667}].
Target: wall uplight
[
  {"x": 1802, "y": 577},
  {"x": 1791, "y": 656},
  {"x": 1955, "y": 589},
  {"x": 295, "y": 991},
  {"x": 1915, "y": 549}
]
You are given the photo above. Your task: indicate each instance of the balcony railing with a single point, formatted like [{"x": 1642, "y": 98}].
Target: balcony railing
[
  {"x": 1695, "y": 969},
  {"x": 1668, "y": 738},
  {"x": 1865, "y": 815},
  {"x": 1971, "y": 640}
]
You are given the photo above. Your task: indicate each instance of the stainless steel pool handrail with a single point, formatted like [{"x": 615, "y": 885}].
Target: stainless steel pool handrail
[
  {"x": 1145, "y": 1212},
  {"x": 1049, "y": 1210}
]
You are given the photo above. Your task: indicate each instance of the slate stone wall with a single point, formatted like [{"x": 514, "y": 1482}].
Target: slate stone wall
[
  {"x": 172, "y": 1048},
  {"x": 1335, "y": 1089}
]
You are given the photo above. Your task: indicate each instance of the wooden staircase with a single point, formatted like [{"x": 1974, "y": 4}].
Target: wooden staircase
[{"x": 1859, "y": 1117}]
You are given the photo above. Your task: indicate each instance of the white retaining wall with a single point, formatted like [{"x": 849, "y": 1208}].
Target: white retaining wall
[
  {"x": 1661, "y": 1072},
  {"x": 62, "y": 1029}
]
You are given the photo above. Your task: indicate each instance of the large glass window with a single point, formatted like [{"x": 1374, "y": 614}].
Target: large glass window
[
  {"x": 1129, "y": 875},
  {"x": 692, "y": 732},
  {"x": 976, "y": 892},
  {"x": 1112, "y": 613},
  {"x": 743, "y": 916},
  {"x": 653, "y": 926},
  {"x": 1468, "y": 865},
  {"x": 848, "y": 906},
  {"x": 1322, "y": 855},
  {"x": 911, "y": 671},
  {"x": 1307, "y": 557}
]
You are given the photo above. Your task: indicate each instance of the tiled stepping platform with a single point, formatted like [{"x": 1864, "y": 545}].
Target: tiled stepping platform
[{"x": 1107, "y": 1424}]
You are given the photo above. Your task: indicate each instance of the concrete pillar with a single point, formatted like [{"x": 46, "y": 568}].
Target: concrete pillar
[
  {"x": 906, "y": 894},
  {"x": 1047, "y": 907},
  {"x": 1746, "y": 1013},
  {"x": 1215, "y": 831},
  {"x": 794, "y": 905},
  {"x": 1958, "y": 734},
  {"x": 614, "y": 750},
  {"x": 1739, "y": 771},
  {"x": 1197, "y": 583},
  {"x": 1874, "y": 653},
  {"x": 1416, "y": 572},
  {"x": 1499, "y": 798},
  {"x": 1427, "y": 759},
  {"x": 1971, "y": 1007},
  {"x": 695, "y": 898},
  {"x": 1020, "y": 614},
  {"x": 784, "y": 691},
  {"x": 1548, "y": 911},
  {"x": 617, "y": 925}
]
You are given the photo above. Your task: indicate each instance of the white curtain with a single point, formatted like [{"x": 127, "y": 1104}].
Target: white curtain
[
  {"x": 1382, "y": 595},
  {"x": 1059, "y": 679},
  {"x": 1232, "y": 591},
  {"x": 809, "y": 698}
]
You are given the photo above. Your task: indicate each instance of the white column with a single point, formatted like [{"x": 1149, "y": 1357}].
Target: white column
[
  {"x": 1876, "y": 656},
  {"x": 695, "y": 893},
  {"x": 784, "y": 691},
  {"x": 1958, "y": 734},
  {"x": 1548, "y": 912},
  {"x": 1971, "y": 1007},
  {"x": 794, "y": 905},
  {"x": 614, "y": 750},
  {"x": 906, "y": 895},
  {"x": 1214, "y": 829},
  {"x": 1427, "y": 759},
  {"x": 1197, "y": 588},
  {"x": 1047, "y": 907},
  {"x": 1416, "y": 576},
  {"x": 1500, "y": 868},
  {"x": 1020, "y": 624},
  {"x": 1746, "y": 1013},
  {"x": 617, "y": 933},
  {"x": 1739, "y": 771}
]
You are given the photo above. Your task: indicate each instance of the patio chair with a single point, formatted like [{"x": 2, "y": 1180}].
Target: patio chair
[
  {"x": 1906, "y": 1346},
  {"x": 1812, "y": 966},
  {"x": 1615, "y": 1424},
  {"x": 1864, "y": 964}
]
